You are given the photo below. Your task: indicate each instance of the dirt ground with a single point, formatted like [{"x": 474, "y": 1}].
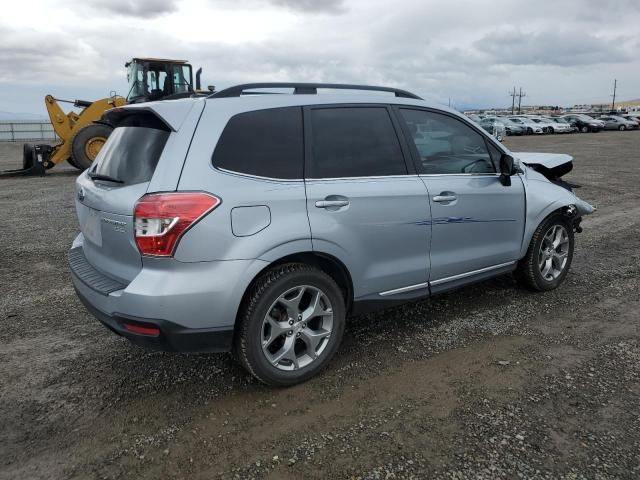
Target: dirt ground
[{"x": 491, "y": 381}]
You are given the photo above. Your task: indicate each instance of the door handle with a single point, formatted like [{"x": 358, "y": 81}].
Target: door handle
[
  {"x": 332, "y": 203},
  {"x": 445, "y": 198}
]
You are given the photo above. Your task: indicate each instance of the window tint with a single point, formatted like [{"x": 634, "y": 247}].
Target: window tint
[
  {"x": 266, "y": 143},
  {"x": 447, "y": 145},
  {"x": 133, "y": 149},
  {"x": 354, "y": 142}
]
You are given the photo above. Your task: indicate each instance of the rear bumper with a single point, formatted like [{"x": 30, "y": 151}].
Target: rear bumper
[
  {"x": 171, "y": 337},
  {"x": 194, "y": 305}
]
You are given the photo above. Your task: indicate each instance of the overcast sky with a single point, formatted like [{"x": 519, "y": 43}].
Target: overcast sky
[{"x": 474, "y": 52}]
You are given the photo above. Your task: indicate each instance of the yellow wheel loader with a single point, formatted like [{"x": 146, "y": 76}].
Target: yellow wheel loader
[{"x": 83, "y": 134}]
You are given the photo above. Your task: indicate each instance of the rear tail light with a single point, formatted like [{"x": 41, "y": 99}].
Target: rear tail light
[{"x": 160, "y": 219}]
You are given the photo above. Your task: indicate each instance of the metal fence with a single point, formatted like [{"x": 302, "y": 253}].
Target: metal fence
[{"x": 26, "y": 131}]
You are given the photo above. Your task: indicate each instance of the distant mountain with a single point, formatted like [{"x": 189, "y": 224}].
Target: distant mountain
[{"x": 20, "y": 117}]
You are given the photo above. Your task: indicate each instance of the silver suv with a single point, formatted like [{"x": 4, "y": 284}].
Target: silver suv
[{"x": 258, "y": 223}]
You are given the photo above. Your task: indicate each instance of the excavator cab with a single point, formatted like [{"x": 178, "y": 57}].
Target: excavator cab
[{"x": 159, "y": 79}]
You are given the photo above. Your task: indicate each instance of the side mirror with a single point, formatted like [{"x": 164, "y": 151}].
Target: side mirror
[{"x": 507, "y": 168}]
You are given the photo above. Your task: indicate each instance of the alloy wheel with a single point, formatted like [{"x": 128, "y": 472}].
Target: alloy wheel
[
  {"x": 554, "y": 252},
  {"x": 297, "y": 328}
]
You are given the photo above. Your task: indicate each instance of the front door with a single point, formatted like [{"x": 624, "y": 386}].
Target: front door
[
  {"x": 477, "y": 223},
  {"x": 365, "y": 206}
]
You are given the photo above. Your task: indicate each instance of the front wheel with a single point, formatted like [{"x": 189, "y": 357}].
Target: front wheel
[
  {"x": 622, "y": 128},
  {"x": 86, "y": 144},
  {"x": 291, "y": 324},
  {"x": 549, "y": 256},
  {"x": 584, "y": 129}
]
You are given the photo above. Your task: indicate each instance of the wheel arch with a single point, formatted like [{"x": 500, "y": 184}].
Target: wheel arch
[
  {"x": 556, "y": 208},
  {"x": 543, "y": 199},
  {"x": 329, "y": 264}
]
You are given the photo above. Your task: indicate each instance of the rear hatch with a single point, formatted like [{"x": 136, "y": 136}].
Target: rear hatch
[{"x": 107, "y": 193}]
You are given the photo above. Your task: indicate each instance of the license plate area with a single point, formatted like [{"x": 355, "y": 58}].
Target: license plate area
[{"x": 91, "y": 226}]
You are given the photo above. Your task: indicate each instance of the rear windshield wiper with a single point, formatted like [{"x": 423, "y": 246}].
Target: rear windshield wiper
[{"x": 106, "y": 178}]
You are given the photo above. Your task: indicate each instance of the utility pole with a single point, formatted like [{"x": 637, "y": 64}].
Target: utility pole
[
  {"x": 613, "y": 103},
  {"x": 513, "y": 96},
  {"x": 520, "y": 95}
]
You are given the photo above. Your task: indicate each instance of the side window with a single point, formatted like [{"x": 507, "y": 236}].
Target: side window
[
  {"x": 354, "y": 142},
  {"x": 446, "y": 145},
  {"x": 266, "y": 143}
]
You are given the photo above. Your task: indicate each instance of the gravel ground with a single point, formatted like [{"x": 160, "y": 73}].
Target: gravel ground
[{"x": 491, "y": 381}]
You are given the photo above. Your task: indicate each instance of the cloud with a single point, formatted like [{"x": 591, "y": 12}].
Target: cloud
[
  {"x": 473, "y": 52},
  {"x": 301, "y": 6},
  {"x": 135, "y": 8},
  {"x": 36, "y": 57},
  {"x": 313, "y": 6},
  {"x": 512, "y": 46}
]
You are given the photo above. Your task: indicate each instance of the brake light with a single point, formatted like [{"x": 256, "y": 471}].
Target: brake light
[{"x": 160, "y": 219}]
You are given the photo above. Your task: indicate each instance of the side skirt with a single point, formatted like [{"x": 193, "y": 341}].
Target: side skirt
[{"x": 418, "y": 292}]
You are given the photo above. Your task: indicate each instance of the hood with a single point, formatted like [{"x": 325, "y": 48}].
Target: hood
[{"x": 547, "y": 160}]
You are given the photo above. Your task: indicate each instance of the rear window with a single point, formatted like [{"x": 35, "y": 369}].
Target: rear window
[
  {"x": 265, "y": 143},
  {"x": 133, "y": 149}
]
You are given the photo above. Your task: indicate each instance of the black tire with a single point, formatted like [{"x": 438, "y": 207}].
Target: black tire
[
  {"x": 584, "y": 129},
  {"x": 529, "y": 131},
  {"x": 265, "y": 290},
  {"x": 82, "y": 141},
  {"x": 28, "y": 156},
  {"x": 551, "y": 130},
  {"x": 72, "y": 163},
  {"x": 528, "y": 272},
  {"x": 622, "y": 128}
]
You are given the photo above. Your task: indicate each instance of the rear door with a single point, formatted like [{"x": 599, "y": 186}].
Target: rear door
[
  {"x": 365, "y": 205},
  {"x": 107, "y": 193},
  {"x": 477, "y": 222}
]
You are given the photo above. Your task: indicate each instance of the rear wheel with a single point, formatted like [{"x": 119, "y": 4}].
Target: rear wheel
[
  {"x": 86, "y": 144},
  {"x": 291, "y": 324},
  {"x": 549, "y": 256}
]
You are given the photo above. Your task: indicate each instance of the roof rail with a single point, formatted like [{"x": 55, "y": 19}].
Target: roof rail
[{"x": 306, "y": 88}]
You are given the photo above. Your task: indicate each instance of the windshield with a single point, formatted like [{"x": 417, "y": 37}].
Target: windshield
[{"x": 135, "y": 77}]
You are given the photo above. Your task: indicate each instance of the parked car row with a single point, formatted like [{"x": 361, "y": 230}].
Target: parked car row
[{"x": 501, "y": 126}]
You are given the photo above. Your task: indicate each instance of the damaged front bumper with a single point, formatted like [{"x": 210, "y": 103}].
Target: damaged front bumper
[
  {"x": 576, "y": 211},
  {"x": 583, "y": 208}
]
